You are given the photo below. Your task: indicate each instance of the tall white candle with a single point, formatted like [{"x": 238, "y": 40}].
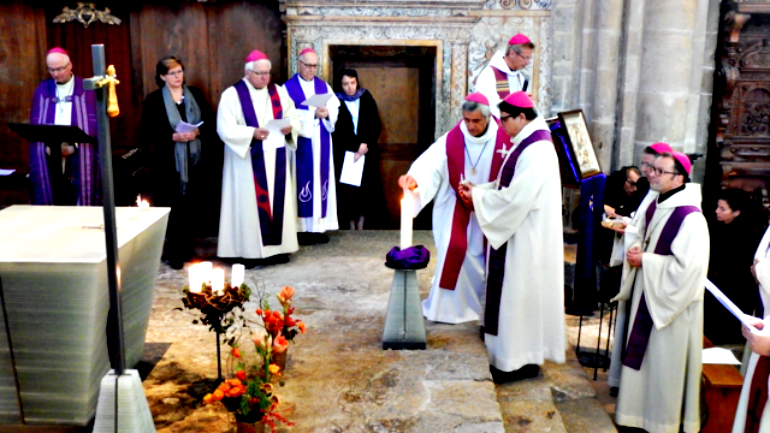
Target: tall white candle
[
  {"x": 236, "y": 279},
  {"x": 195, "y": 277},
  {"x": 407, "y": 214},
  {"x": 217, "y": 281}
]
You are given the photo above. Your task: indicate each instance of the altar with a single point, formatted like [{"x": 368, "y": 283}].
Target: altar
[{"x": 54, "y": 303}]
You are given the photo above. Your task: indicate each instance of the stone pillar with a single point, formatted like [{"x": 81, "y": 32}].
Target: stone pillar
[
  {"x": 458, "y": 79},
  {"x": 607, "y": 36}
]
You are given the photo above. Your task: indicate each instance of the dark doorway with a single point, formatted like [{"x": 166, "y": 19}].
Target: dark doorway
[{"x": 402, "y": 81}]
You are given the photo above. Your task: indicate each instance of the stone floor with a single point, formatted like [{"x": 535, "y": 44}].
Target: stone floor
[{"x": 339, "y": 379}]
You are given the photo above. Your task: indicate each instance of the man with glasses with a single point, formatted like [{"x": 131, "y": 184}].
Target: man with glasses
[
  {"x": 663, "y": 278},
  {"x": 505, "y": 72},
  {"x": 520, "y": 216},
  {"x": 470, "y": 151},
  {"x": 258, "y": 215},
  {"x": 72, "y": 179},
  {"x": 314, "y": 166}
]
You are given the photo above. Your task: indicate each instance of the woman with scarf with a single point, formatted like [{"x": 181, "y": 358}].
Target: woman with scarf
[
  {"x": 357, "y": 131},
  {"x": 175, "y": 153}
]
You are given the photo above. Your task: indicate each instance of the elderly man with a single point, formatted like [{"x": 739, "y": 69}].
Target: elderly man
[
  {"x": 258, "y": 215},
  {"x": 663, "y": 278},
  {"x": 505, "y": 72},
  {"x": 74, "y": 178},
  {"x": 471, "y": 150},
  {"x": 520, "y": 215},
  {"x": 316, "y": 194}
]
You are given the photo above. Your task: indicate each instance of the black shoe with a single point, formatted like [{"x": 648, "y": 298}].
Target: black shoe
[
  {"x": 176, "y": 264},
  {"x": 614, "y": 391},
  {"x": 529, "y": 371},
  {"x": 481, "y": 332},
  {"x": 278, "y": 259},
  {"x": 308, "y": 238}
]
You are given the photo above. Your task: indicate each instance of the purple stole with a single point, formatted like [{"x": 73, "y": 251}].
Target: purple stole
[
  {"x": 304, "y": 152},
  {"x": 458, "y": 240},
  {"x": 501, "y": 81},
  {"x": 640, "y": 333},
  {"x": 85, "y": 166},
  {"x": 497, "y": 256},
  {"x": 270, "y": 218}
]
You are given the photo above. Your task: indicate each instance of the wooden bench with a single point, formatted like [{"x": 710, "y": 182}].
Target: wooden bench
[{"x": 722, "y": 384}]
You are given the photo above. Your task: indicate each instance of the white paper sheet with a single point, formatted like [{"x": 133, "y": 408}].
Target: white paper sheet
[
  {"x": 719, "y": 355},
  {"x": 273, "y": 141},
  {"x": 275, "y": 125},
  {"x": 7, "y": 171},
  {"x": 185, "y": 127},
  {"x": 352, "y": 170},
  {"x": 731, "y": 307},
  {"x": 317, "y": 100}
]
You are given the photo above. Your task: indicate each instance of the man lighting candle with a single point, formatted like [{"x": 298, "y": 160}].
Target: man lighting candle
[
  {"x": 520, "y": 215},
  {"x": 471, "y": 150}
]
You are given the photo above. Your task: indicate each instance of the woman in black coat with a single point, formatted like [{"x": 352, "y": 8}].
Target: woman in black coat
[
  {"x": 176, "y": 157},
  {"x": 357, "y": 131}
]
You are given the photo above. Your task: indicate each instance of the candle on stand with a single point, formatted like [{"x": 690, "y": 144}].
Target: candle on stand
[
  {"x": 218, "y": 281},
  {"x": 205, "y": 272},
  {"x": 407, "y": 215},
  {"x": 236, "y": 278},
  {"x": 195, "y": 277}
]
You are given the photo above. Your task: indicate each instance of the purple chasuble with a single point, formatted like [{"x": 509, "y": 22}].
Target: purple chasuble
[
  {"x": 496, "y": 273},
  {"x": 640, "y": 332},
  {"x": 458, "y": 240},
  {"x": 85, "y": 161},
  {"x": 270, "y": 217},
  {"x": 305, "y": 178}
]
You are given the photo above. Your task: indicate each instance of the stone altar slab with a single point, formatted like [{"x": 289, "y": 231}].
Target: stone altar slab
[{"x": 55, "y": 301}]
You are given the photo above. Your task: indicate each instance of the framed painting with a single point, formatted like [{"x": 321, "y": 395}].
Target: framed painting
[
  {"x": 567, "y": 170},
  {"x": 579, "y": 143}
]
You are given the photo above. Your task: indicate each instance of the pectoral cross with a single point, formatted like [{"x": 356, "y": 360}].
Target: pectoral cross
[{"x": 504, "y": 152}]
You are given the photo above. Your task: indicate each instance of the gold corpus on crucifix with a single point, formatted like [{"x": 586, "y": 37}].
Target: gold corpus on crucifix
[
  {"x": 86, "y": 13},
  {"x": 110, "y": 81}
]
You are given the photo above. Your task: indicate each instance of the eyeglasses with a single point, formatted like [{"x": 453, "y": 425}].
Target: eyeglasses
[
  {"x": 59, "y": 69},
  {"x": 647, "y": 165},
  {"x": 631, "y": 183},
  {"x": 308, "y": 65},
  {"x": 527, "y": 58},
  {"x": 660, "y": 171},
  {"x": 260, "y": 73},
  {"x": 175, "y": 73},
  {"x": 504, "y": 118}
]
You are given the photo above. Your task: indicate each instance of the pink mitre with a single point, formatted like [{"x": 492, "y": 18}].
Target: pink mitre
[
  {"x": 684, "y": 160},
  {"x": 256, "y": 55},
  {"x": 478, "y": 97},
  {"x": 519, "y": 99},
  {"x": 661, "y": 148},
  {"x": 57, "y": 50},
  {"x": 519, "y": 39},
  {"x": 307, "y": 50}
]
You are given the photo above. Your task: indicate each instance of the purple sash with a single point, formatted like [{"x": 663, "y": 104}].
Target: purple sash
[
  {"x": 640, "y": 333},
  {"x": 458, "y": 240},
  {"x": 497, "y": 256},
  {"x": 270, "y": 218},
  {"x": 305, "y": 178},
  {"x": 85, "y": 164}
]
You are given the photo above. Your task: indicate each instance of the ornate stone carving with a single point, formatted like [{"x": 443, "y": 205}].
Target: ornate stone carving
[
  {"x": 86, "y": 14},
  {"x": 518, "y": 4},
  {"x": 459, "y": 72},
  {"x": 756, "y": 119}
]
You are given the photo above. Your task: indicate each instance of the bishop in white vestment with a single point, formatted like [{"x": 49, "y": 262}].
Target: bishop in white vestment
[
  {"x": 663, "y": 279},
  {"x": 314, "y": 165},
  {"x": 258, "y": 216},
  {"x": 505, "y": 72},
  {"x": 470, "y": 151},
  {"x": 520, "y": 215}
]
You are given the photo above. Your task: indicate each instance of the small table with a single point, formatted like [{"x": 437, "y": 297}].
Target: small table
[{"x": 722, "y": 385}]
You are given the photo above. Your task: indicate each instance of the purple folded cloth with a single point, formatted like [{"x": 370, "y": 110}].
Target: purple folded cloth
[{"x": 416, "y": 257}]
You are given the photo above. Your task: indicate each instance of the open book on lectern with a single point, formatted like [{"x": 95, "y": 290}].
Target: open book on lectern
[
  {"x": 51, "y": 133},
  {"x": 731, "y": 307}
]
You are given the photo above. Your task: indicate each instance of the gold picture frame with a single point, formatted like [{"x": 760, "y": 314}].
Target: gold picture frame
[{"x": 580, "y": 144}]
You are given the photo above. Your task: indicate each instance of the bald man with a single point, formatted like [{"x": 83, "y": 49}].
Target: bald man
[{"x": 74, "y": 178}]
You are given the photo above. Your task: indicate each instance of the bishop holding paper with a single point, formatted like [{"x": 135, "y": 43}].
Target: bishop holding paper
[
  {"x": 258, "y": 217},
  {"x": 472, "y": 151}
]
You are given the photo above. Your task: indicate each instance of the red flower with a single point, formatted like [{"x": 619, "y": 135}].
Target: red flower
[
  {"x": 236, "y": 352},
  {"x": 280, "y": 344},
  {"x": 241, "y": 374}
]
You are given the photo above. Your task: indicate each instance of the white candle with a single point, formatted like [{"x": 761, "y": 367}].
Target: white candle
[
  {"x": 195, "y": 277},
  {"x": 205, "y": 272},
  {"x": 144, "y": 205},
  {"x": 407, "y": 214},
  {"x": 217, "y": 281},
  {"x": 236, "y": 279}
]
